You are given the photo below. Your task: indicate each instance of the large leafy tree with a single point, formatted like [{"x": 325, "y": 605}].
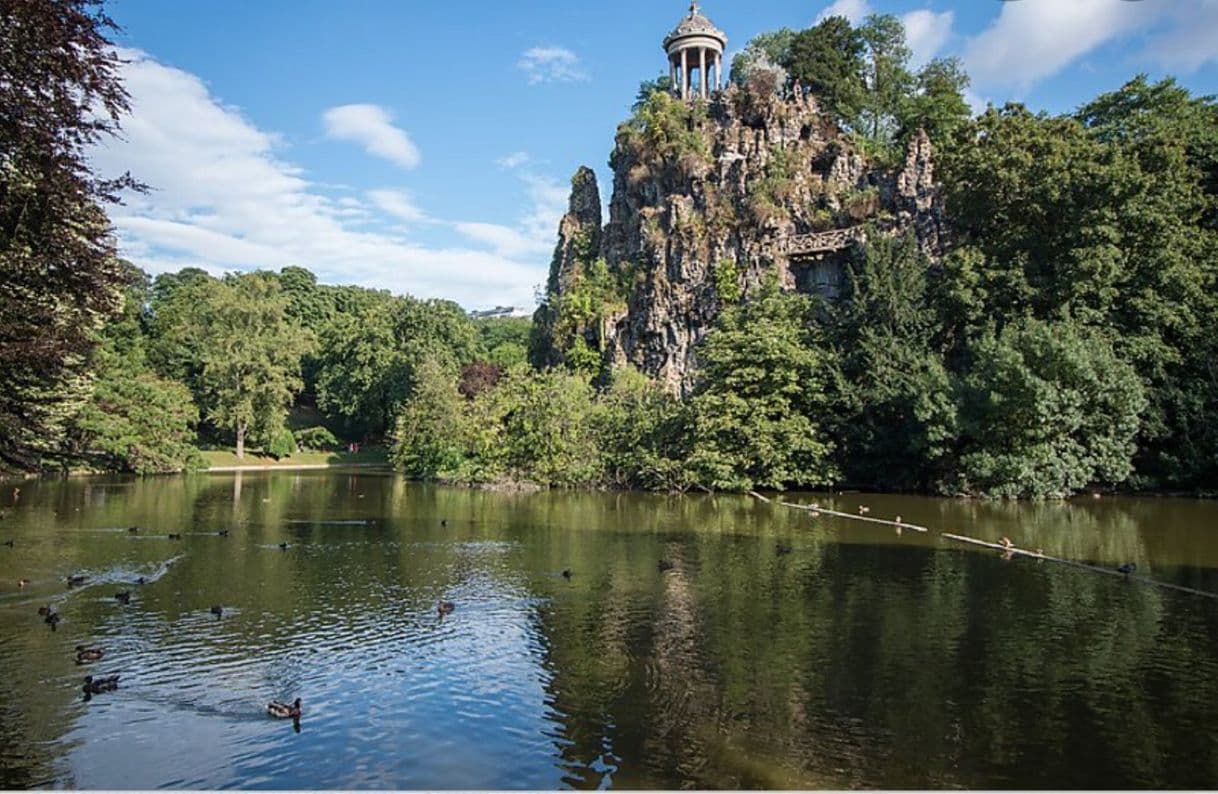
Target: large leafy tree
[
  {"x": 828, "y": 60},
  {"x": 754, "y": 417},
  {"x": 886, "y": 76},
  {"x": 59, "y": 275},
  {"x": 251, "y": 358},
  {"x": 1047, "y": 408},
  {"x": 894, "y": 418}
]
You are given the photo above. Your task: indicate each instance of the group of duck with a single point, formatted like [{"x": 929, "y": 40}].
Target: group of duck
[{"x": 96, "y": 685}]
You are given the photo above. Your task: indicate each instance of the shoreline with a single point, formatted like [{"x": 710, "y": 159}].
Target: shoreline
[{"x": 291, "y": 467}]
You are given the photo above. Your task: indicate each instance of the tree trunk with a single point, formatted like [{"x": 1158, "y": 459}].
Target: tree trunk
[{"x": 241, "y": 442}]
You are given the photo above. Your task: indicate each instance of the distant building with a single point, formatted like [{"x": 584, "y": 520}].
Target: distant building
[{"x": 498, "y": 311}]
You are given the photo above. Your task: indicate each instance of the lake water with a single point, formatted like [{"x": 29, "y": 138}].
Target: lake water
[{"x": 861, "y": 659}]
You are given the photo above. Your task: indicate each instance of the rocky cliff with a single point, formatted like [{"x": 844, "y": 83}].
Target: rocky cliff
[{"x": 709, "y": 197}]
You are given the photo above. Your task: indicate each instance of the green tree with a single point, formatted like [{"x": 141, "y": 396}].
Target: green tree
[
  {"x": 886, "y": 76},
  {"x": 430, "y": 438},
  {"x": 251, "y": 356},
  {"x": 765, "y": 52},
  {"x": 894, "y": 417},
  {"x": 752, "y": 420},
  {"x": 638, "y": 428},
  {"x": 828, "y": 60},
  {"x": 1046, "y": 409},
  {"x": 134, "y": 420},
  {"x": 60, "y": 277},
  {"x": 937, "y": 105}
]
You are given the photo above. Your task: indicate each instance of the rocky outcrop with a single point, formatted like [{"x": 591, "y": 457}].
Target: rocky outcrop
[{"x": 709, "y": 198}]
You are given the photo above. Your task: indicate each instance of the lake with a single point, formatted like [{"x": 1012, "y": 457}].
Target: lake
[{"x": 862, "y": 658}]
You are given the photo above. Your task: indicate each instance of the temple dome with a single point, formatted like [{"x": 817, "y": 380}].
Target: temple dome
[{"x": 695, "y": 25}]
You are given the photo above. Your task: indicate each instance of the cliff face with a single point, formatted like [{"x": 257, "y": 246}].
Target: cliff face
[{"x": 707, "y": 199}]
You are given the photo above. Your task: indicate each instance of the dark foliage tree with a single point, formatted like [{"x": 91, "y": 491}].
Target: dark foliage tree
[{"x": 60, "y": 277}]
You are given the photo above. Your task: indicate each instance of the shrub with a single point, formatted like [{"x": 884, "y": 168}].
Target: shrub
[{"x": 316, "y": 438}]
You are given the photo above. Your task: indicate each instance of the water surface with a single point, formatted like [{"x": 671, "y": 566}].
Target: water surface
[{"x": 863, "y": 658}]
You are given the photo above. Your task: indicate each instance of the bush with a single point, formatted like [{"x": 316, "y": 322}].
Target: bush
[
  {"x": 282, "y": 444},
  {"x": 318, "y": 439}
]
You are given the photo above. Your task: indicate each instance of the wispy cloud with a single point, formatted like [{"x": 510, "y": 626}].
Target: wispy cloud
[
  {"x": 372, "y": 127},
  {"x": 926, "y": 32},
  {"x": 853, "y": 10},
  {"x": 225, "y": 198},
  {"x": 1034, "y": 39},
  {"x": 513, "y": 160},
  {"x": 552, "y": 65}
]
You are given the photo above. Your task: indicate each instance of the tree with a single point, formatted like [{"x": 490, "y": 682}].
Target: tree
[
  {"x": 828, "y": 60},
  {"x": 430, "y": 439},
  {"x": 886, "y": 75},
  {"x": 134, "y": 420},
  {"x": 765, "y": 52},
  {"x": 751, "y": 421},
  {"x": 937, "y": 105},
  {"x": 638, "y": 432},
  {"x": 1046, "y": 409},
  {"x": 60, "y": 277},
  {"x": 894, "y": 418},
  {"x": 251, "y": 358},
  {"x": 661, "y": 84}
]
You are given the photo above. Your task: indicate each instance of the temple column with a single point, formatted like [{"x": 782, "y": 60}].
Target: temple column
[
  {"x": 672, "y": 73},
  {"x": 685, "y": 74},
  {"x": 718, "y": 71},
  {"x": 702, "y": 71}
]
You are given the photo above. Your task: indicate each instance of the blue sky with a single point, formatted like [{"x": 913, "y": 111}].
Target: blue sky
[{"x": 426, "y": 147}]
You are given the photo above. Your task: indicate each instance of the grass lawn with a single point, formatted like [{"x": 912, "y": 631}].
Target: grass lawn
[{"x": 226, "y": 457}]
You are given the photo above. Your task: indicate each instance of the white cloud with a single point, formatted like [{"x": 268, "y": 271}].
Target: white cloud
[
  {"x": 372, "y": 127},
  {"x": 551, "y": 65},
  {"x": 536, "y": 234},
  {"x": 853, "y": 10},
  {"x": 397, "y": 203},
  {"x": 504, "y": 240},
  {"x": 513, "y": 160},
  {"x": 926, "y": 32},
  {"x": 224, "y": 199},
  {"x": 1192, "y": 40},
  {"x": 1034, "y": 39}
]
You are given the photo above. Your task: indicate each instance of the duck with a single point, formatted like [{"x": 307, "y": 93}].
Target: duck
[
  {"x": 283, "y": 711},
  {"x": 10, "y": 543},
  {"x": 76, "y": 581},
  {"x": 141, "y": 581},
  {"x": 443, "y": 522},
  {"x": 1128, "y": 568},
  {"x": 283, "y": 547},
  {"x": 44, "y": 611},
  {"x": 22, "y": 582},
  {"x": 52, "y": 619},
  {"x": 445, "y": 608},
  {"x": 217, "y": 610},
  {"x": 174, "y": 536},
  {"x": 783, "y": 549},
  {"x": 95, "y": 686},
  {"x": 897, "y": 521},
  {"x": 664, "y": 565},
  {"x": 1006, "y": 543},
  {"x": 133, "y": 530},
  {"x": 864, "y": 510},
  {"x": 88, "y": 655},
  {"x": 123, "y": 597},
  {"x": 566, "y": 574},
  {"x": 223, "y": 533}
]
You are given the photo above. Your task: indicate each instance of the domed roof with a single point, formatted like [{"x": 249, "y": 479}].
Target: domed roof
[{"x": 695, "y": 25}]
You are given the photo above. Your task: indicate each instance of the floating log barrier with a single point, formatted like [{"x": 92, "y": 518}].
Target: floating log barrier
[
  {"x": 1011, "y": 550},
  {"x": 1087, "y": 566},
  {"x": 839, "y": 514}
]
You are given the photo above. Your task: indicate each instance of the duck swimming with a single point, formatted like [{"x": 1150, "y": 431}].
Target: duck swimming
[
  {"x": 782, "y": 549},
  {"x": 52, "y": 619},
  {"x": 174, "y": 536},
  {"x": 283, "y": 547},
  {"x": 10, "y": 543},
  {"x": 133, "y": 530},
  {"x": 95, "y": 686},
  {"x": 123, "y": 597},
  {"x": 445, "y": 608},
  {"x": 1128, "y": 568},
  {"x": 22, "y": 582},
  {"x": 566, "y": 574},
  {"x": 76, "y": 581},
  {"x": 88, "y": 655},
  {"x": 223, "y": 533},
  {"x": 283, "y": 711},
  {"x": 217, "y": 610},
  {"x": 664, "y": 565}
]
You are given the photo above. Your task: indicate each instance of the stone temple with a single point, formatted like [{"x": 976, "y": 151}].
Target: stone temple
[{"x": 695, "y": 49}]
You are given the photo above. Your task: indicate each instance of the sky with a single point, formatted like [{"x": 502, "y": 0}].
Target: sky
[{"x": 427, "y": 147}]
